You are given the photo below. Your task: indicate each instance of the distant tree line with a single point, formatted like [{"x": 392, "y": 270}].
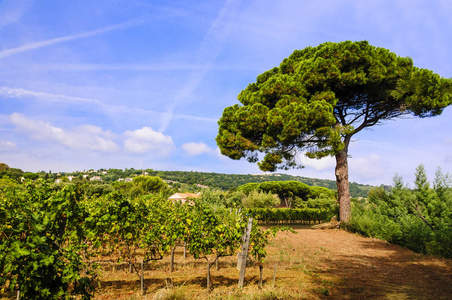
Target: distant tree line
[
  {"x": 232, "y": 181},
  {"x": 186, "y": 180}
]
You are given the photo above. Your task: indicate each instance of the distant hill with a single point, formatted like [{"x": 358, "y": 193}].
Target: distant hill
[
  {"x": 216, "y": 180},
  {"x": 231, "y": 181}
]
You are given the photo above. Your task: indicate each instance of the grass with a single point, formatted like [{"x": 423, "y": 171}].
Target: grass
[
  {"x": 294, "y": 278},
  {"x": 325, "y": 264},
  {"x": 171, "y": 293}
]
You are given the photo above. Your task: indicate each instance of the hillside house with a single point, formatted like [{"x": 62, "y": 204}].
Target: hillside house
[
  {"x": 96, "y": 178},
  {"x": 183, "y": 197},
  {"x": 202, "y": 186}
]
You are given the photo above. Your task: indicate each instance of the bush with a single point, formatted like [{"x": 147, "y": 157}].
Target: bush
[
  {"x": 42, "y": 241},
  {"x": 287, "y": 215},
  {"x": 419, "y": 219},
  {"x": 257, "y": 199}
]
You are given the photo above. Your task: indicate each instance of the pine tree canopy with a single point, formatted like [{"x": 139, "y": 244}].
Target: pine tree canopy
[{"x": 321, "y": 96}]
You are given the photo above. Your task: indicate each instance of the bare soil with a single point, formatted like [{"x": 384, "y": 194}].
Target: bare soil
[
  {"x": 311, "y": 264},
  {"x": 366, "y": 268}
]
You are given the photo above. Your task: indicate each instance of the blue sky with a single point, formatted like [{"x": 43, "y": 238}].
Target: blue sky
[{"x": 142, "y": 84}]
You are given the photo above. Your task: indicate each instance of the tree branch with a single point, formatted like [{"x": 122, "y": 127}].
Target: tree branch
[{"x": 422, "y": 217}]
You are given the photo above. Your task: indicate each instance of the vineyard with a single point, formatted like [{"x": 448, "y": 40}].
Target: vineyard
[
  {"x": 278, "y": 216},
  {"x": 90, "y": 241},
  {"x": 55, "y": 241}
]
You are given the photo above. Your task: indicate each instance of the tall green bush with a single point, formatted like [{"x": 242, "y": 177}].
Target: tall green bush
[
  {"x": 419, "y": 219},
  {"x": 260, "y": 199}
]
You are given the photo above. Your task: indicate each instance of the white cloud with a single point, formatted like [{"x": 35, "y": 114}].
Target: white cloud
[
  {"x": 12, "y": 10},
  {"x": 146, "y": 140},
  {"x": 367, "y": 168},
  {"x": 317, "y": 164},
  {"x": 6, "y": 145},
  {"x": 447, "y": 140},
  {"x": 86, "y": 137},
  {"x": 194, "y": 149}
]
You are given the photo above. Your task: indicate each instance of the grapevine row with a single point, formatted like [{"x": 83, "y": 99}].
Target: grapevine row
[{"x": 51, "y": 239}]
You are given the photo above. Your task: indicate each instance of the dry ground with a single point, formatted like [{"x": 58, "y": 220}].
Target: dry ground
[
  {"x": 364, "y": 268},
  {"x": 312, "y": 264}
]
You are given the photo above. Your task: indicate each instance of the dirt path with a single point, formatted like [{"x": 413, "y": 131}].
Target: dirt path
[
  {"x": 312, "y": 264},
  {"x": 354, "y": 267}
]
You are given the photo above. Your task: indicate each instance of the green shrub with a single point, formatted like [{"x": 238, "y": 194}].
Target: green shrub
[
  {"x": 419, "y": 219},
  {"x": 261, "y": 199}
]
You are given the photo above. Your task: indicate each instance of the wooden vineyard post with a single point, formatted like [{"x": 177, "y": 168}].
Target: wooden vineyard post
[
  {"x": 243, "y": 255},
  {"x": 142, "y": 278}
]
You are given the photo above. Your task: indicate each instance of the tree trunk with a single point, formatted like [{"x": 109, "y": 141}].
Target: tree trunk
[
  {"x": 343, "y": 188},
  {"x": 173, "y": 249},
  {"x": 209, "y": 264},
  {"x": 288, "y": 202},
  {"x": 261, "y": 270},
  {"x": 130, "y": 262}
]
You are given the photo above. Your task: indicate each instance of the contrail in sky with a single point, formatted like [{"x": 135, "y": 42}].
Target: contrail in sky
[
  {"x": 23, "y": 93},
  {"x": 207, "y": 54},
  {"x": 90, "y": 103},
  {"x": 46, "y": 43}
]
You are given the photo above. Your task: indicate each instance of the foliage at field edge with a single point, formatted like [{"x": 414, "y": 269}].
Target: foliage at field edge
[
  {"x": 42, "y": 242},
  {"x": 419, "y": 219},
  {"x": 53, "y": 237}
]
